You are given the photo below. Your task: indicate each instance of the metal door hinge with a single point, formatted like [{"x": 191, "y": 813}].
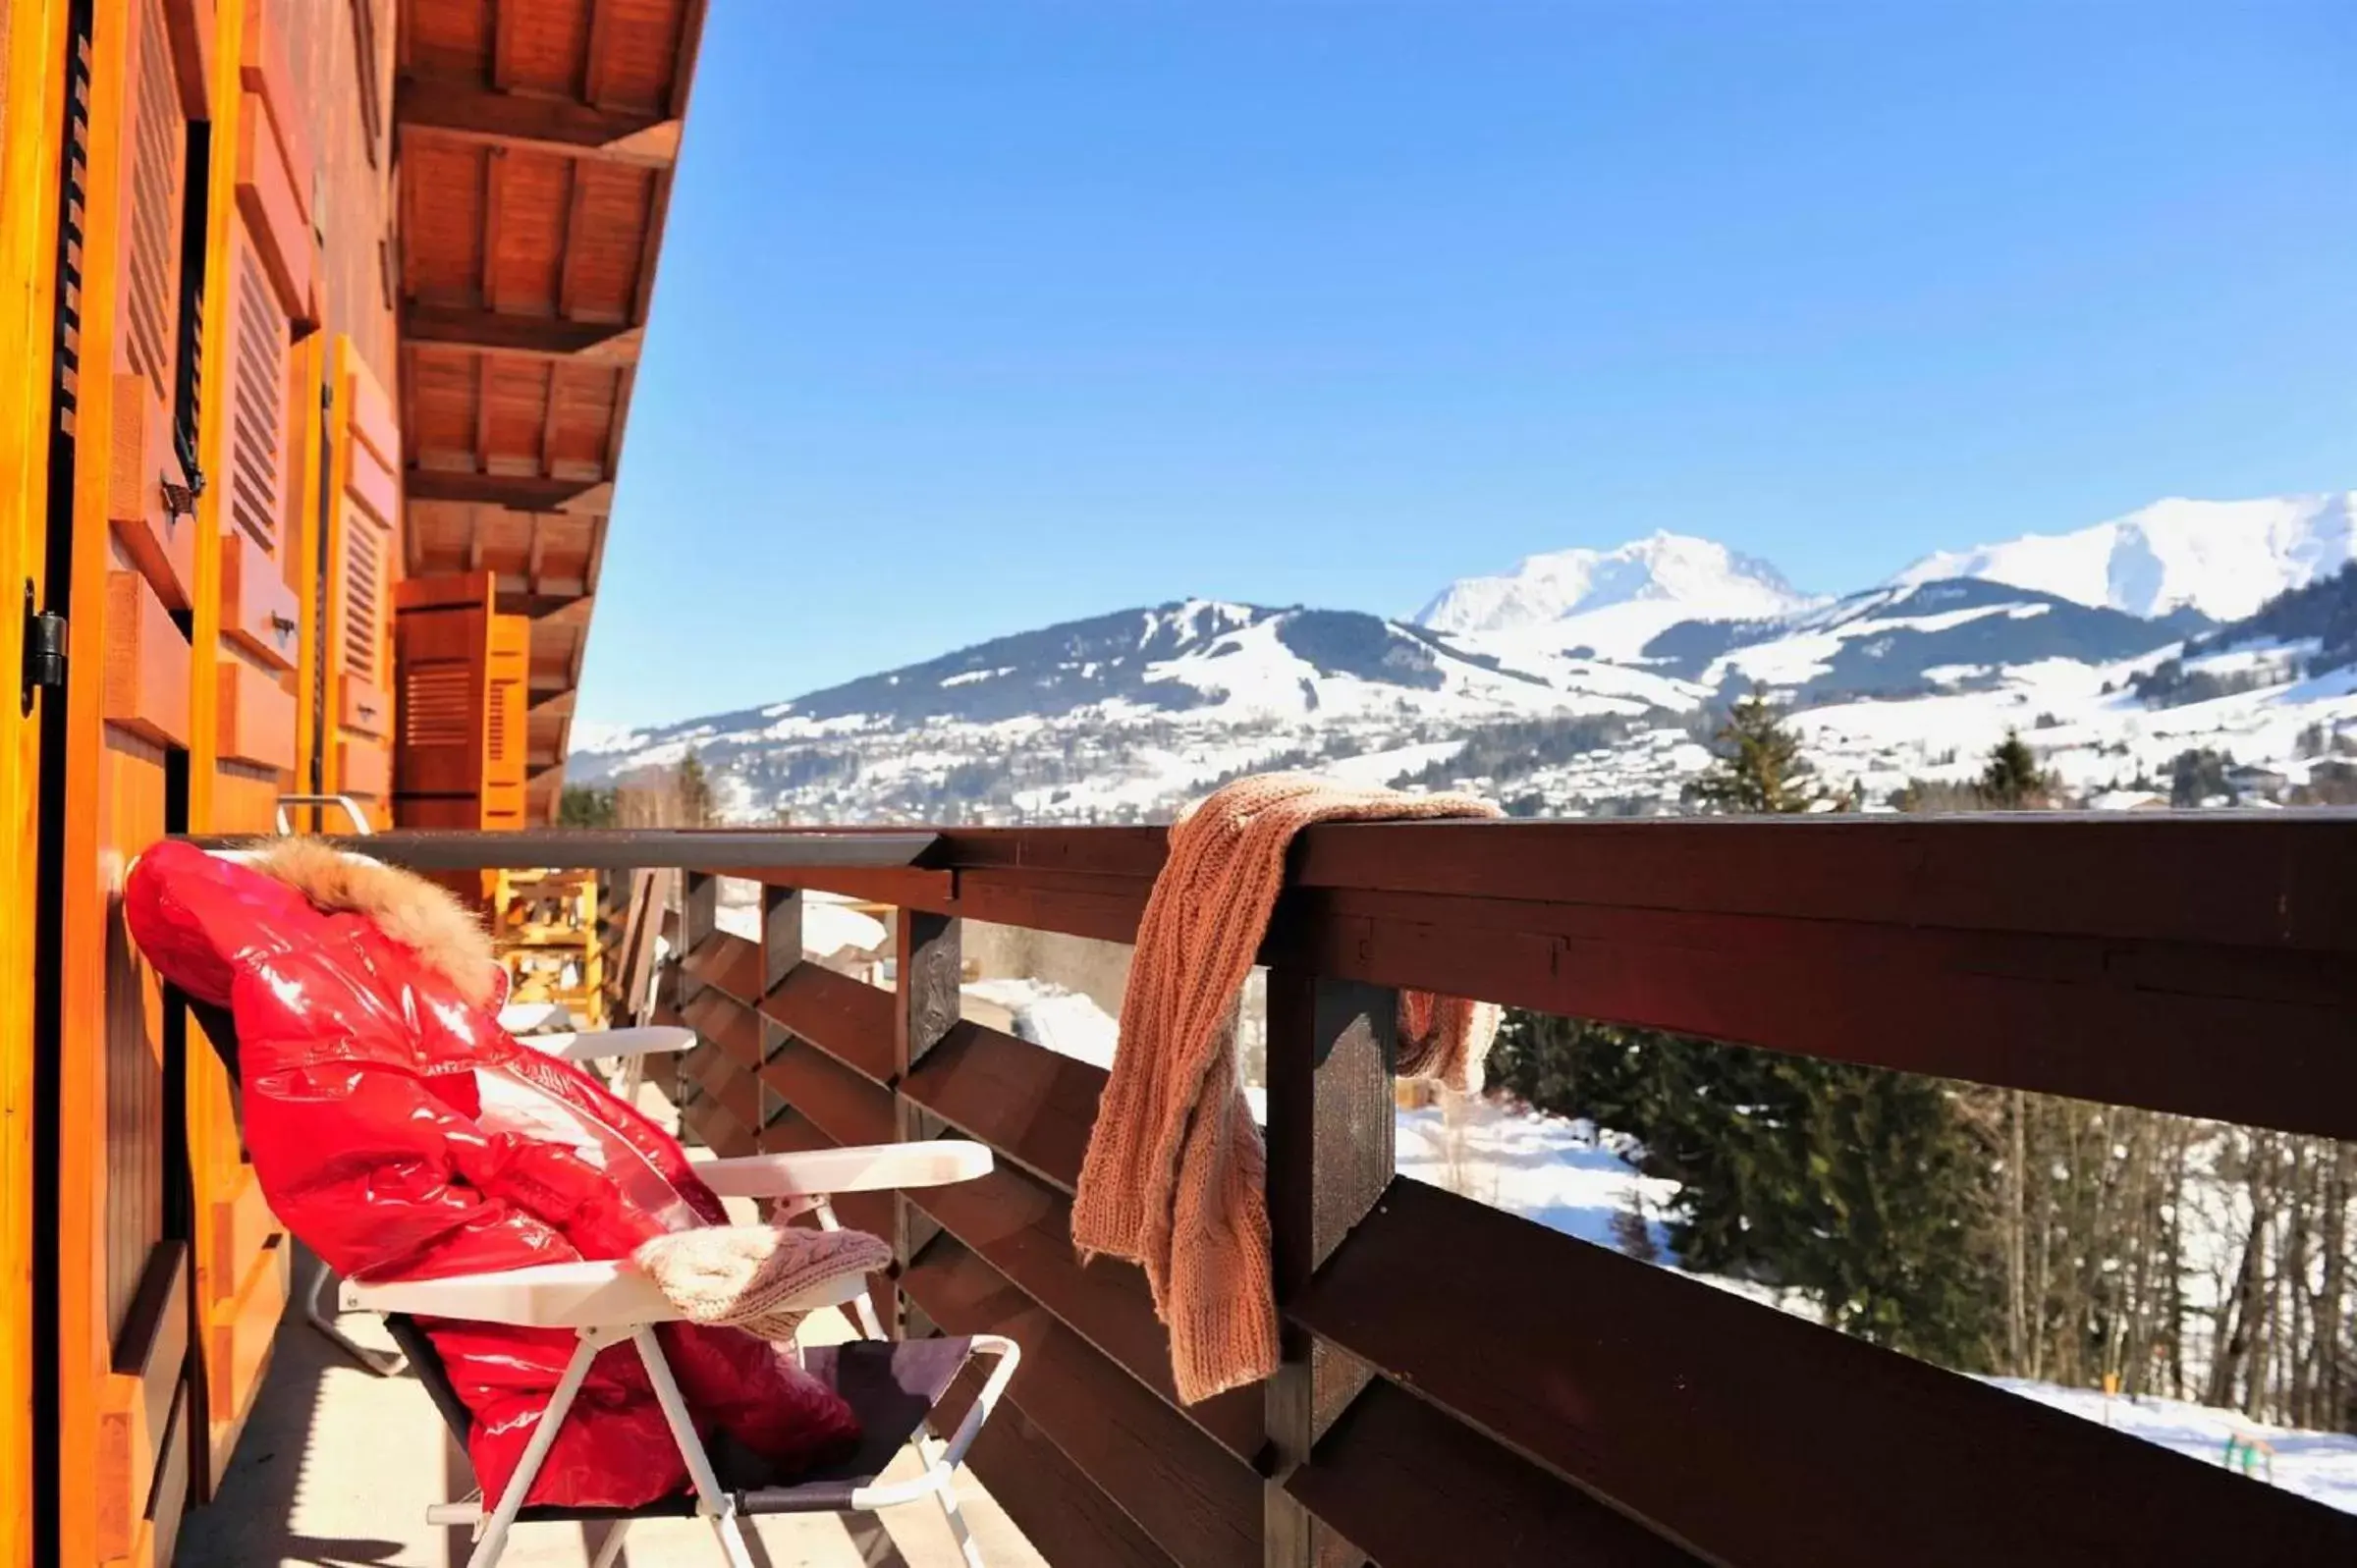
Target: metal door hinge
[{"x": 45, "y": 650}]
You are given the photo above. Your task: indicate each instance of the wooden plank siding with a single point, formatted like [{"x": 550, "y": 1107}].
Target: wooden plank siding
[{"x": 1460, "y": 1385}]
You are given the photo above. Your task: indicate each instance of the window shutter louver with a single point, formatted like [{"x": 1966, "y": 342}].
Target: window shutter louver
[
  {"x": 146, "y": 483},
  {"x": 259, "y": 336},
  {"x": 506, "y": 738}
]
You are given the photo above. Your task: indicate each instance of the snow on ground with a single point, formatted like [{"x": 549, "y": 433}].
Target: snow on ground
[
  {"x": 2318, "y": 1465},
  {"x": 1375, "y": 769},
  {"x": 828, "y": 923},
  {"x": 1545, "y": 1168},
  {"x": 1064, "y": 1021}
]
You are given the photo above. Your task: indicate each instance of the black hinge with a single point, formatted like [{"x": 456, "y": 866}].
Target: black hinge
[
  {"x": 180, "y": 500},
  {"x": 44, "y": 649}
]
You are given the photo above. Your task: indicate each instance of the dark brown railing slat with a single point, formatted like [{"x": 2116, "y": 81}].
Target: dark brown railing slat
[
  {"x": 722, "y": 1021},
  {"x": 724, "y": 851},
  {"x": 847, "y": 1018},
  {"x": 726, "y": 962},
  {"x": 1051, "y": 1498},
  {"x": 1758, "y": 1438},
  {"x": 1031, "y": 1104},
  {"x": 1411, "y": 1489},
  {"x": 2286, "y": 880},
  {"x": 848, "y": 1108},
  {"x": 2243, "y": 1034},
  {"x": 1023, "y": 1228},
  {"x": 1187, "y": 1493}
]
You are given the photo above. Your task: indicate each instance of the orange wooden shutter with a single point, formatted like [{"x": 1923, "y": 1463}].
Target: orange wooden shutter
[
  {"x": 506, "y": 716},
  {"x": 147, "y": 500},
  {"x": 442, "y": 640},
  {"x": 363, "y": 570}
]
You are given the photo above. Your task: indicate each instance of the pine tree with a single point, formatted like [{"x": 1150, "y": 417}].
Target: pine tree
[
  {"x": 1865, "y": 1188},
  {"x": 582, "y": 806},
  {"x": 695, "y": 793},
  {"x": 1759, "y": 766},
  {"x": 2012, "y": 780}
]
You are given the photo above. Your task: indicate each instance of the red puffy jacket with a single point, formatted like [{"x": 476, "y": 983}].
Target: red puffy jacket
[{"x": 401, "y": 1134}]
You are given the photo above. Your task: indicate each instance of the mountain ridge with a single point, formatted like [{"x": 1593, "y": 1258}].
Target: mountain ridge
[{"x": 1591, "y": 675}]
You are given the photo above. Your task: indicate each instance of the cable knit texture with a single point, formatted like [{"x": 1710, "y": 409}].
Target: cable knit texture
[
  {"x": 1173, "y": 1176},
  {"x": 742, "y": 1276}
]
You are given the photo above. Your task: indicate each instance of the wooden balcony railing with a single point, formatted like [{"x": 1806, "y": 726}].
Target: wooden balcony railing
[{"x": 1461, "y": 1385}]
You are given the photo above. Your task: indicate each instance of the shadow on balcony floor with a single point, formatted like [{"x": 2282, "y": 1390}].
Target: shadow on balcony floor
[{"x": 336, "y": 1469}]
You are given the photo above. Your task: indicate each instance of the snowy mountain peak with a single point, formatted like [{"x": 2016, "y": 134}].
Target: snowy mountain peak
[
  {"x": 1704, "y": 579},
  {"x": 2223, "y": 557}
]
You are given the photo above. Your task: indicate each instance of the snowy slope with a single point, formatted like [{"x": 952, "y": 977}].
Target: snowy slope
[
  {"x": 1611, "y": 602},
  {"x": 2223, "y": 557},
  {"x": 1896, "y": 642}
]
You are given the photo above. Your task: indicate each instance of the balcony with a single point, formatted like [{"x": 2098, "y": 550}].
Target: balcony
[{"x": 1459, "y": 1384}]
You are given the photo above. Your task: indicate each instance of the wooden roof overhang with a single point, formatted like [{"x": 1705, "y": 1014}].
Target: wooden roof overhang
[{"x": 536, "y": 144}]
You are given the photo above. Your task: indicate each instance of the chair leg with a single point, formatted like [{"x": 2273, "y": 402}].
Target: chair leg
[
  {"x": 719, "y": 1506},
  {"x": 315, "y": 1310},
  {"x": 493, "y": 1542},
  {"x": 611, "y": 1550},
  {"x": 946, "y": 1496}
]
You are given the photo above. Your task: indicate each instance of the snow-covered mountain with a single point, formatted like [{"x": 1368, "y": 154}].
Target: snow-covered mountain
[
  {"x": 1893, "y": 643},
  {"x": 1610, "y": 602},
  {"x": 2223, "y": 557},
  {"x": 1587, "y": 679}
]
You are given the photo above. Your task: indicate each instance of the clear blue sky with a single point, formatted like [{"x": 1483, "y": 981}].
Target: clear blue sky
[{"x": 979, "y": 314}]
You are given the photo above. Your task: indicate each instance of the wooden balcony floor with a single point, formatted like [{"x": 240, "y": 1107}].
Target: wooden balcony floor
[{"x": 336, "y": 1467}]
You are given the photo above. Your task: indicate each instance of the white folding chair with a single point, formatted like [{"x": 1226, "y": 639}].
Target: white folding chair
[{"x": 892, "y": 1386}]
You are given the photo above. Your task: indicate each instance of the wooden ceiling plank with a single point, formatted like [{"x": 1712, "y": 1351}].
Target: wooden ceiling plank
[
  {"x": 626, "y": 383},
  {"x": 658, "y": 207},
  {"x": 495, "y": 189},
  {"x": 548, "y": 420},
  {"x": 504, "y": 14},
  {"x": 597, "y": 555},
  {"x": 482, "y": 416},
  {"x": 531, "y": 336},
  {"x": 536, "y": 553},
  {"x": 594, "y": 58},
  {"x": 577, "y": 198},
  {"x": 518, "y": 119},
  {"x": 683, "y": 75}
]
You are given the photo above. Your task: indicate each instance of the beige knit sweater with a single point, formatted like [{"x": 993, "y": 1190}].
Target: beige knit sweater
[{"x": 1173, "y": 1180}]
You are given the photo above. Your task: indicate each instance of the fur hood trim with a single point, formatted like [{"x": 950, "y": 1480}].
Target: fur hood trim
[{"x": 405, "y": 906}]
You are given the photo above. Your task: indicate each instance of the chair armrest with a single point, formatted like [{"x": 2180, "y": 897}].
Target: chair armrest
[
  {"x": 592, "y": 1043},
  {"x": 555, "y": 1295},
  {"x": 521, "y": 1017},
  {"x": 872, "y": 1167}
]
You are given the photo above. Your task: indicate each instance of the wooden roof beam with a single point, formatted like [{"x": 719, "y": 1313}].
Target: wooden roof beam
[
  {"x": 611, "y": 343},
  {"x": 518, "y": 492},
  {"x": 552, "y": 124}
]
